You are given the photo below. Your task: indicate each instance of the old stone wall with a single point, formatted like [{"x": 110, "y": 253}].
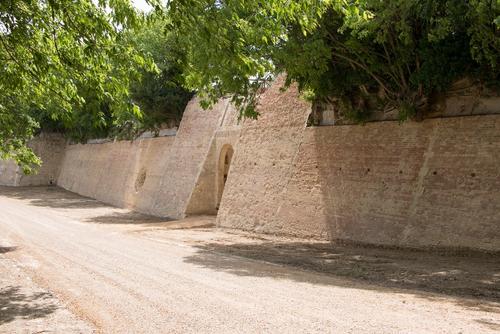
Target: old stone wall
[
  {"x": 434, "y": 183},
  {"x": 204, "y": 198},
  {"x": 263, "y": 163},
  {"x": 9, "y": 173},
  {"x": 114, "y": 172},
  {"x": 431, "y": 183},
  {"x": 187, "y": 156},
  {"x": 50, "y": 148},
  {"x": 151, "y": 175}
]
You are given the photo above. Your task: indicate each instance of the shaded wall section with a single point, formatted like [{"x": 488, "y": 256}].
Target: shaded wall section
[
  {"x": 433, "y": 183},
  {"x": 9, "y": 173},
  {"x": 49, "y": 147}
]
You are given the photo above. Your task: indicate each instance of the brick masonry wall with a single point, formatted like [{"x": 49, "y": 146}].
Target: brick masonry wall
[
  {"x": 9, "y": 173},
  {"x": 110, "y": 171},
  {"x": 434, "y": 183},
  {"x": 154, "y": 175},
  {"x": 50, "y": 148},
  {"x": 184, "y": 166},
  {"x": 263, "y": 163},
  {"x": 203, "y": 199}
]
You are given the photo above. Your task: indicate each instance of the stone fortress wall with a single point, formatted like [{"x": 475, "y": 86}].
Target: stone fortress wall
[
  {"x": 113, "y": 172},
  {"x": 160, "y": 176},
  {"x": 50, "y": 148},
  {"x": 434, "y": 183}
]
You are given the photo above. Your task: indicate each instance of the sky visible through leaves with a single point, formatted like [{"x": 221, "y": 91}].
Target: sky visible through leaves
[{"x": 142, "y": 5}]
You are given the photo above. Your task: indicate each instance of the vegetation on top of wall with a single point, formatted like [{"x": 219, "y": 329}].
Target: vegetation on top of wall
[
  {"x": 370, "y": 54},
  {"x": 161, "y": 95},
  {"x": 99, "y": 68},
  {"x": 156, "y": 92},
  {"x": 87, "y": 69}
]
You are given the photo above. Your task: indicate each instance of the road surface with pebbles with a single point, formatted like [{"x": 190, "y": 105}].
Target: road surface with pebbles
[{"x": 70, "y": 264}]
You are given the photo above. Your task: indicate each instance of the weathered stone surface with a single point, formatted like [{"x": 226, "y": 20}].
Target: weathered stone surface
[
  {"x": 432, "y": 183},
  {"x": 205, "y": 195},
  {"x": 186, "y": 158},
  {"x": 263, "y": 162},
  {"x": 9, "y": 173},
  {"x": 109, "y": 171},
  {"x": 166, "y": 176},
  {"x": 50, "y": 148}
]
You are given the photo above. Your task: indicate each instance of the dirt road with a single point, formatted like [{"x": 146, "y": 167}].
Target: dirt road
[{"x": 121, "y": 272}]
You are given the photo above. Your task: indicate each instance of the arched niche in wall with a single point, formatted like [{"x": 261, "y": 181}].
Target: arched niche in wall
[{"x": 225, "y": 157}]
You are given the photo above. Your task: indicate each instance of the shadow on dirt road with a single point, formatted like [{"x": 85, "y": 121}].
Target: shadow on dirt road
[
  {"x": 52, "y": 197},
  {"x": 15, "y": 304},
  {"x": 474, "y": 280},
  {"x": 7, "y": 249}
]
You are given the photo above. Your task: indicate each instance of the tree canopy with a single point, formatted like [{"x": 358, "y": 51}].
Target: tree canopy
[
  {"x": 64, "y": 61},
  {"x": 367, "y": 54},
  {"x": 96, "y": 68},
  {"x": 160, "y": 95}
]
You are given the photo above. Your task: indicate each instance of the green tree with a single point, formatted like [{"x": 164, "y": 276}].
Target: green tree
[
  {"x": 61, "y": 58},
  {"x": 160, "y": 95},
  {"x": 368, "y": 53}
]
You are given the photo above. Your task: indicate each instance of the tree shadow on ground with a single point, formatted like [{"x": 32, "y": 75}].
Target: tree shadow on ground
[
  {"x": 51, "y": 196},
  {"x": 14, "y": 304},
  {"x": 7, "y": 249},
  {"x": 58, "y": 198},
  {"x": 151, "y": 222},
  {"x": 130, "y": 217},
  {"x": 472, "y": 281}
]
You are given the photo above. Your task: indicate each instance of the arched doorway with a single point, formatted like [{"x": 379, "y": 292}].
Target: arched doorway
[{"x": 225, "y": 156}]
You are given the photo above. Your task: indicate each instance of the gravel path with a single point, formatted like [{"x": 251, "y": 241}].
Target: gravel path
[
  {"x": 25, "y": 307},
  {"x": 126, "y": 273}
]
